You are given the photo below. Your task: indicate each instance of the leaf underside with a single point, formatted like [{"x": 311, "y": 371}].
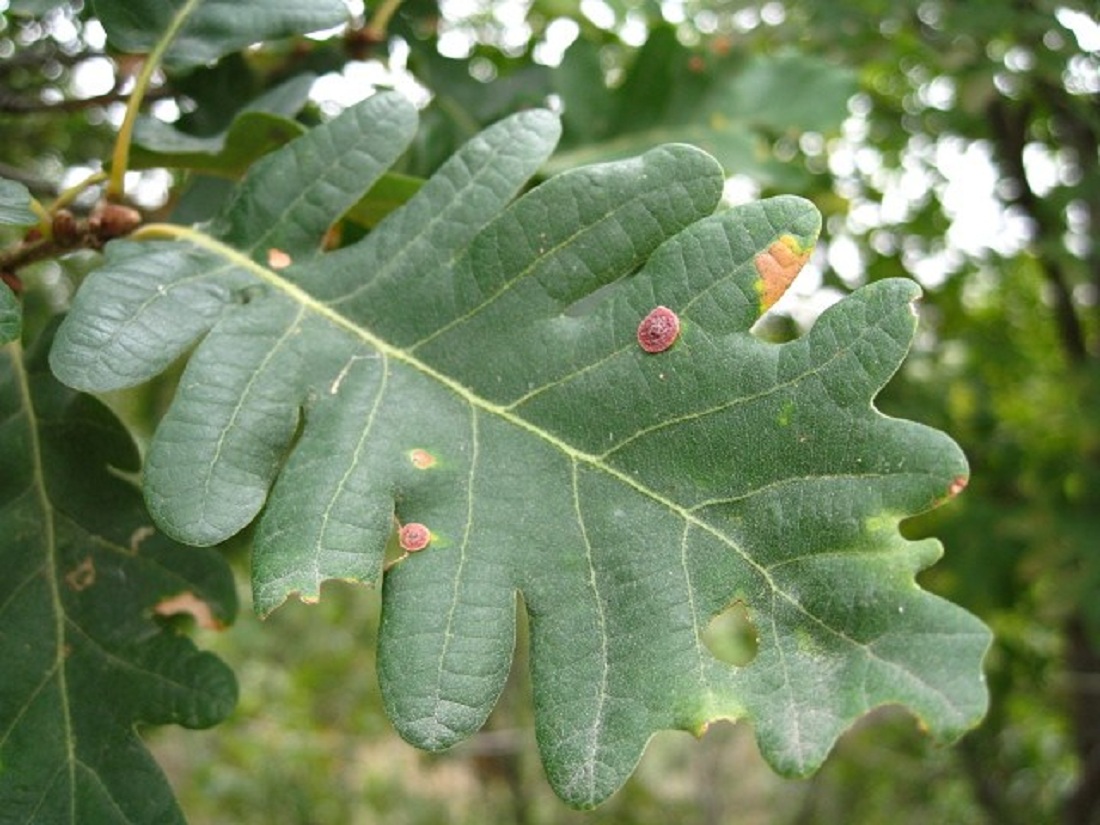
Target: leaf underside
[
  {"x": 471, "y": 365},
  {"x": 85, "y": 573}
]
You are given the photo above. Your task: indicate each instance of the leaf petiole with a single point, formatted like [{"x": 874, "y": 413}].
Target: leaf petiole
[
  {"x": 120, "y": 158},
  {"x": 74, "y": 192}
]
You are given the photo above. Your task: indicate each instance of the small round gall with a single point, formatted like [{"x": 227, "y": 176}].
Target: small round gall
[
  {"x": 658, "y": 330},
  {"x": 277, "y": 259},
  {"x": 413, "y": 537}
]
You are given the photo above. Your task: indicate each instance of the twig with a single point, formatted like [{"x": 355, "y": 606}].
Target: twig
[
  {"x": 69, "y": 233},
  {"x": 1010, "y": 138},
  {"x": 380, "y": 20},
  {"x": 22, "y": 106},
  {"x": 120, "y": 158}
]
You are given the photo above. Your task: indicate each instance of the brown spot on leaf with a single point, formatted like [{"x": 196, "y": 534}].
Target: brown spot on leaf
[
  {"x": 777, "y": 266},
  {"x": 277, "y": 259},
  {"x": 422, "y": 459},
  {"x": 187, "y": 602},
  {"x": 139, "y": 535},
  {"x": 658, "y": 330},
  {"x": 413, "y": 537},
  {"x": 82, "y": 576}
]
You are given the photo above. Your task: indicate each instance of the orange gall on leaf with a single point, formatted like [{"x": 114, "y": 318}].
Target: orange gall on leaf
[
  {"x": 422, "y": 459},
  {"x": 413, "y": 537},
  {"x": 277, "y": 259},
  {"x": 777, "y": 266},
  {"x": 658, "y": 330}
]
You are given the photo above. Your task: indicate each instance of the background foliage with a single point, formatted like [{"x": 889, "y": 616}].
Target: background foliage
[{"x": 870, "y": 109}]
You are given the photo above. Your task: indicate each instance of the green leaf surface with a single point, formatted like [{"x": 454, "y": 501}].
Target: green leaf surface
[
  {"x": 391, "y": 191},
  {"x": 15, "y": 204},
  {"x": 85, "y": 577},
  {"x": 472, "y": 366},
  {"x": 263, "y": 125},
  {"x": 729, "y": 104},
  {"x": 210, "y": 28},
  {"x": 31, "y": 7},
  {"x": 11, "y": 315}
]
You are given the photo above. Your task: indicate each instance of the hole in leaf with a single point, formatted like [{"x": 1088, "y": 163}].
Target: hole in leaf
[{"x": 731, "y": 636}]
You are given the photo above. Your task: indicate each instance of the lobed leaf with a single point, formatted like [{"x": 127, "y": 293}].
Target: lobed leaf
[
  {"x": 85, "y": 578},
  {"x": 472, "y": 366}
]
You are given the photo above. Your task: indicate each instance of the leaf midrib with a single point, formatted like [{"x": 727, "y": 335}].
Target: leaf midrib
[{"x": 49, "y": 540}]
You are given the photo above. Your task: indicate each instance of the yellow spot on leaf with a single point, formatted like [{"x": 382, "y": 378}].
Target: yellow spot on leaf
[
  {"x": 777, "y": 266},
  {"x": 786, "y": 414},
  {"x": 188, "y": 602},
  {"x": 82, "y": 576}
]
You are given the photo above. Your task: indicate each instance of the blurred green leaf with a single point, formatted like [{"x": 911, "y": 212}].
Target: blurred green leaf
[
  {"x": 210, "y": 28},
  {"x": 31, "y": 8},
  {"x": 731, "y": 104},
  {"x": 88, "y": 587},
  {"x": 261, "y": 126},
  {"x": 450, "y": 377},
  {"x": 15, "y": 204}
]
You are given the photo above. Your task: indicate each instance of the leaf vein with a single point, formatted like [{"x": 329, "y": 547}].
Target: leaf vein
[
  {"x": 349, "y": 470},
  {"x": 448, "y": 634},
  {"x": 219, "y": 446},
  {"x": 593, "y": 736}
]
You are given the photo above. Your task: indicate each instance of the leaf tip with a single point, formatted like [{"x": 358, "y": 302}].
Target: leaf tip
[{"x": 542, "y": 121}]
